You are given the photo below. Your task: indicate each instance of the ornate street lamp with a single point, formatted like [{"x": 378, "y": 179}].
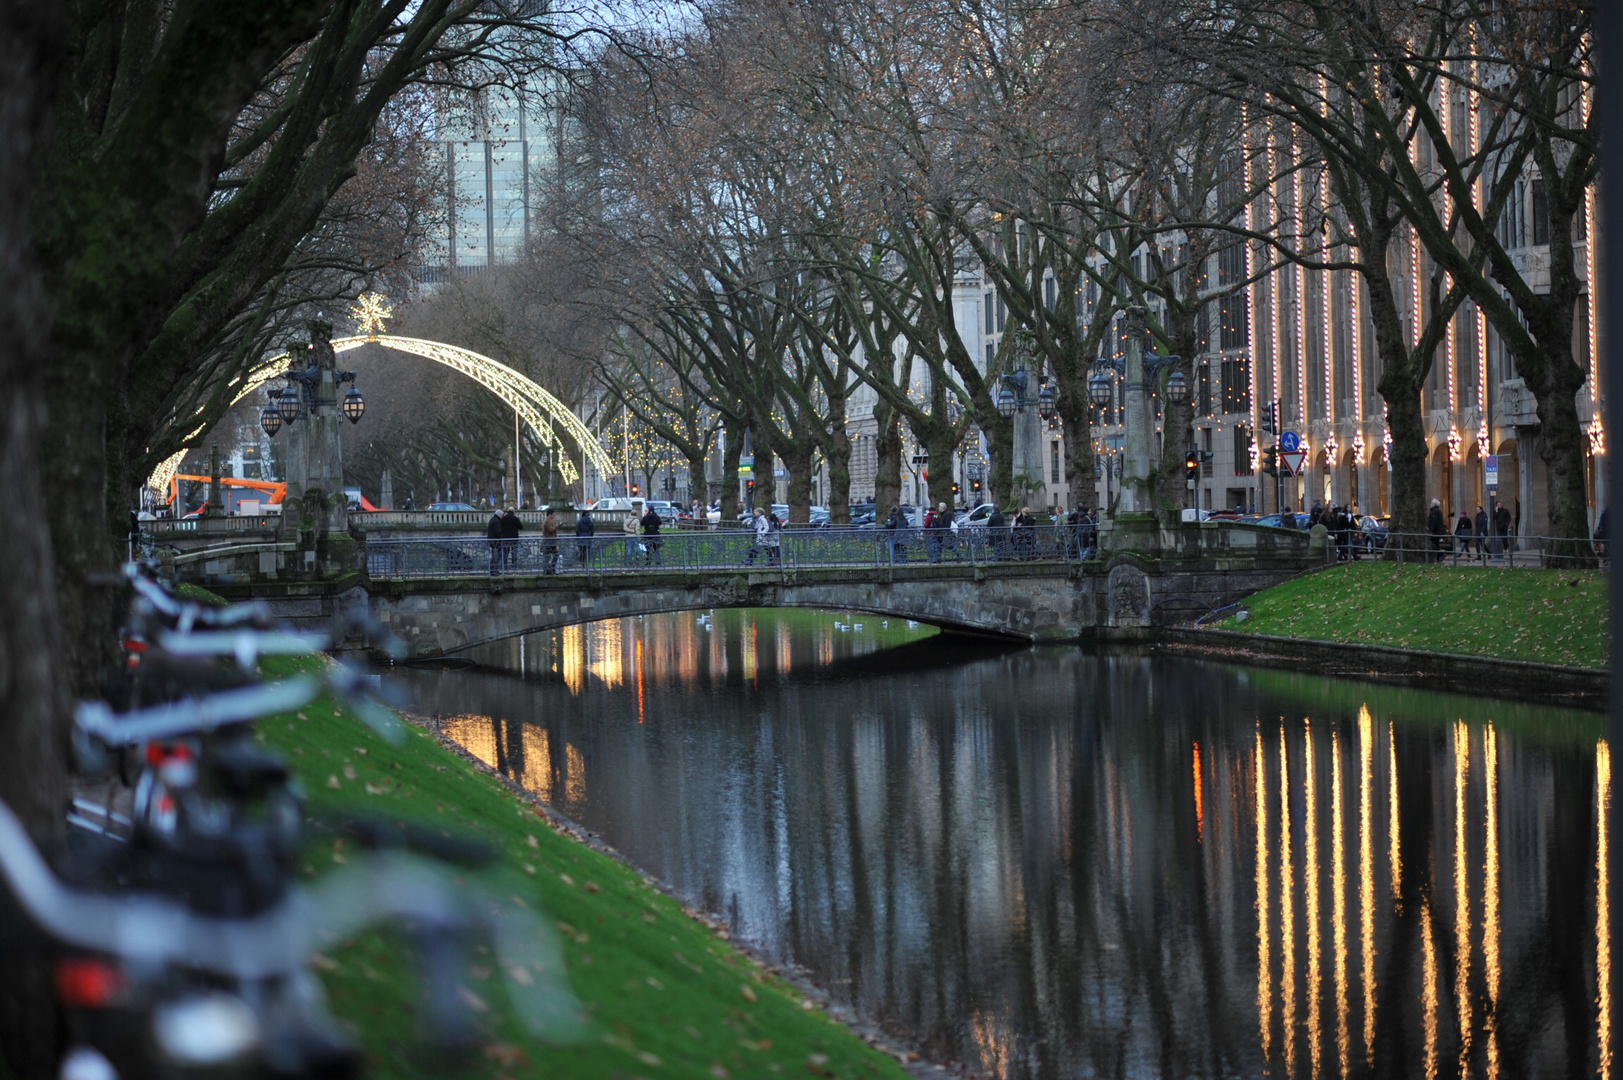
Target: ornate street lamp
[
  {"x": 1045, "y": 399},
  {"x": 270, "y": 420},
  {"x": 289, "y": 404},
  {"x": 354, "y": 405},
  {"x": 1099, "y": 389},
  {"x": 1177, "y": 386},
  {"x": 1012, "y": 397}
]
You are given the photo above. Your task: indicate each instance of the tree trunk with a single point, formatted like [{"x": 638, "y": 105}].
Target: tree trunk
[
  {"x": 33, "y": 704},
  {"x": 837, "y": 460},
  {"x": 766, "y": 484},
  {"x": 887, "y": 479},
  {"x": 1403, "y": 375},
  {"x": 939, "y": 443},
  {"x": 1563, "y": 444},
  {"x": 1000, "y": 464},
  {"x": 797, "y": 461},
  {"x": 1073, "y": 408},
  {"x": 698, "y": 489},
  {"x": 729, "y": 477}
]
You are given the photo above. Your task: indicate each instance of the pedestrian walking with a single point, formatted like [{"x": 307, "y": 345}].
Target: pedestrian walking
[
  {"x": 1090, "y": 535},
  {"x": 997, "y": 531},
  {"x": 1462, "y": 537},
  {"x": 1436, "y": 529},
  {"x": 1073, "y": 533},
  {"x": 493, "y": 540},
  {"x": 1481, "y": 534},
  {"x": 585, "y": 527},
  {"x": 650, "y": 535},
  {"x": 1025, "y": 534},
  {"x": 511, "y": 527},
  {"x": 761, "y": 527},
  {"x": 895, "y": 523},
  {"x": 634, "y": 546},
  {"x": 1501, "y": 528},
  {"x": 549, "y": 543},
  {"x": 937, "y": 523}
]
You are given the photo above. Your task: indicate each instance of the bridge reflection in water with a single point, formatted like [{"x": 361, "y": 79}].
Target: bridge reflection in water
[{"x": 1051, "y": 864}]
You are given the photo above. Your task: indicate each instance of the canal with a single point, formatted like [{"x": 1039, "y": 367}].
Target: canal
[{"x": 1048, "y": 863}]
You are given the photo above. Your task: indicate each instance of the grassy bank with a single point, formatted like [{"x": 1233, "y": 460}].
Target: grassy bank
[
  {"x": 666, "y": 996},
  {"x": 1547, "y": 616}
]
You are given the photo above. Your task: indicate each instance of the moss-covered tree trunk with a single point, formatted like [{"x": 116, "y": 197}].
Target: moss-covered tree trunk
[
  {"x": 729, "y": 475},
  {"x": 766, "y": 484},
  {"x": 887, "y": 479},
  {"x": 698, "y": 487},
  {"x": 1403, "y": 376}
]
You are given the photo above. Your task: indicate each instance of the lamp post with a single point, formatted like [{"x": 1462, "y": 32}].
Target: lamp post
[{"x": 1138, "y": 372}]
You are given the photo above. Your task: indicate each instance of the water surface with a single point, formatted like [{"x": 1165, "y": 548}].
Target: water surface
[{"x": 1047, "y": 863}]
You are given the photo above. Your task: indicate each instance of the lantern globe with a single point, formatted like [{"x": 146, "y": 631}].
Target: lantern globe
[{"x": 354, "y": 405}]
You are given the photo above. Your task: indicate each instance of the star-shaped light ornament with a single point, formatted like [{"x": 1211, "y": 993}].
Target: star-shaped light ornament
[{"x": 371, "y": 315}]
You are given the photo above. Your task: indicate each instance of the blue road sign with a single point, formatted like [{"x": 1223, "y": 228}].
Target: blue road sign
[{"x": 1289, "y": 441}]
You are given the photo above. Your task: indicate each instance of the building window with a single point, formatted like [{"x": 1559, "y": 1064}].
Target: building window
[
  {"x": 1541, "y": 214},
  {"x": 1206, "y": 457},
  {"x": 1050, "y": 293},
  {"x": 1242, "y": 451},
  {"x": 1203, "y": 382},
  {"x": 1236, "y": 385},
  {"x": 1053, "y": 462},
  {"x": 986, "y": 299}
]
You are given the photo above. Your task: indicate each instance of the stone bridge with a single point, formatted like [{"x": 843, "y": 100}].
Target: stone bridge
[{"x": 1039, "y": 600}]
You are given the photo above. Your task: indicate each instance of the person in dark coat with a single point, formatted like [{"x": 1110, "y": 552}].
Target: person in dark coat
[
  {"x": 585, "y": 527},
  {"x": 1025, "y": 534},
  {"x": 650, "y": 535},
  {"x": 1481, "y": 533},
  {"x": 1501, "y": 526},
  {"x": 895, "y": 526},
  {"x": 1436, "y": 528},
  {"x": 493, "y": 536},
  {"x": 511, "y": 527},
  {"x": 1462, "y": 535},
  {"x": 997, "y": 533}
]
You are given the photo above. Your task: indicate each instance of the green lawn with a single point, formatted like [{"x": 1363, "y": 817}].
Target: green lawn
[
  {"x": 1549, "y": 616},
  {"x": 666, "y": 996}
]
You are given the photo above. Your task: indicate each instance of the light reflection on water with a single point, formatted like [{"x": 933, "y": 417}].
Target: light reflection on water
[{"x": 1052, "y": 864}]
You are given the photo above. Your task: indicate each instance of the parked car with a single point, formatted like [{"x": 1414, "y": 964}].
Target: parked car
[
  {"x": 976, "y": 518},
  {"x": 820, "y": 518},
  {"x": 1374, "y": 531},
  {"x": 1278, "y": 521},
  {"x": 616, "y": 503},
  {"x": 452, "y": 506}
]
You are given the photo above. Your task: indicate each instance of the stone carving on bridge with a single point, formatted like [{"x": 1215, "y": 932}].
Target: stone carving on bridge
[
  {"x": 733, "y": 592},
  {"x": 1128, "y": 593}
]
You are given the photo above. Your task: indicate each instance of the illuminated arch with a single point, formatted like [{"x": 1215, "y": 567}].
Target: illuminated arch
[{"x": 537, "y": 408}]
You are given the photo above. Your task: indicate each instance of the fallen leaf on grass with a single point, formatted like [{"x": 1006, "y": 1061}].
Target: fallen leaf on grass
[
  {"x": 749, "y": 993},
  {"x": 506, "y": 1054},
  {"x": 474, "y": 1001},
  {"x": 332, "y": 781}
]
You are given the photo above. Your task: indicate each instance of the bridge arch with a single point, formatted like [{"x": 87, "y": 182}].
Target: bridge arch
[{"x": 540, "y": 411}]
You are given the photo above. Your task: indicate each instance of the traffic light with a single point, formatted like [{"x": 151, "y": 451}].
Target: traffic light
[
  {"x": 636, "y": 489},
  {"x": 1270, "y": 461},
  {"x": 975, "y": 485},
  {"x": 955, "y": 488},
  {"x": 1191, "y": 465}
]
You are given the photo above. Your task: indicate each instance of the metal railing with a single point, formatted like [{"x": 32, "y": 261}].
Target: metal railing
[
  {"x": 1468, "y": 550},
  {"x": 729, "y": 549}
]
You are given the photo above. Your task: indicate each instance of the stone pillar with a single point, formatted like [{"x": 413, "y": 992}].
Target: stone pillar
[
  {"x": 214, "y": 507},
  {"x": 315, "y": 511},
  {"x": 386, "y": 491},
  {"x": 1136, "y": 497}
]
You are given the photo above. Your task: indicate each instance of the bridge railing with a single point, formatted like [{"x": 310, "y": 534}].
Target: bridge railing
[{"x": 456, "y": 556}]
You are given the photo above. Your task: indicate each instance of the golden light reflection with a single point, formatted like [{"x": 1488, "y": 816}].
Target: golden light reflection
[
  {"x": 574, "y": 774},
  {"x": 1462, "y": 894},
  {"x": 1490, "y": 892},
  {"x": 1366, "y": 874},
  {"x": 1200, "y": 819},
  {"x": 1265, "y": 992},
  {"x": 1603, "y": 912},
  {"x": 1394, "y": 855},
  {"x": 751, "y": 666},
  {"x": 640, "y": 699},
  {"x": 574, "y": 658},
  {"x": 604, "y": 650},
  {"x": 537, "y": 776},
  {"x": 1310, "y": 841},
  {"x": 1287, "y": 914},
  {"x": 1338, "y": 904},
  {"x": 1428, "y": 989},
  {"x": 475, "y": 734}
]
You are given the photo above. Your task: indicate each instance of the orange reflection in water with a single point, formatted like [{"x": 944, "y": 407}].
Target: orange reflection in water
[
  {"x": 1603, "y": 910},
  {"x": 1287, "y": 913},
  {"x": 1338, "y": 903},
  {"x": 1462, "y": 895},
  {"x": 1490, "y": 892},
  {"x": 1366, "y": 873},
  {"x": 1428, "y": 987},
  {"x": 1265, "y": 964},
  {"x": 1310, "y": 843},
  {"x": 1200, "y": 817}
]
